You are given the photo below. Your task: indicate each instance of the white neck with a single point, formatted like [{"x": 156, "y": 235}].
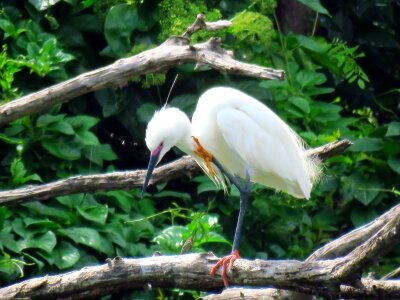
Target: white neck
[{"x": 186, "y": 143}]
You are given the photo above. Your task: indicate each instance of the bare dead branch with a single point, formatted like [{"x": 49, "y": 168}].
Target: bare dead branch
[
  {"x": 345, "y": 244},
  {"x": 326, "y": 151},
  {"x": 191, "y": 271},
  {"x": 171, "y": 53},
  {"x": 95, "y": 183},
  {"x": 185, "y": 166},
  {"x": 337, "y": 248},
  {"x": 393, "y": 274},
  {"x": 332, "y": 278},
  {"x": 371, "y": 250},
  {"x": 200, "y": 24},
  {"x": 371, "y": 289}
]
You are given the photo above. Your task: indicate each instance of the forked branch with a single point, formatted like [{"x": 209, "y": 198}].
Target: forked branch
[
  {"x": 332, "y": 278},
  {"x": 171, "y": 53}
]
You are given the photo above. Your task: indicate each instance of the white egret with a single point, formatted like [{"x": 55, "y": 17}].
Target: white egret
[{"x": 233, "y": 136}]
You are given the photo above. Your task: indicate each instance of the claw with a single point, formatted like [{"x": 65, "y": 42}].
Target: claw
[
  {"x": 227, "y": 263},
  {"x": 204, "y": 154}
]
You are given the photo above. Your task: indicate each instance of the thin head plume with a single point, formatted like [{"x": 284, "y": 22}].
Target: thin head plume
[{"x": 170, "y": 90}]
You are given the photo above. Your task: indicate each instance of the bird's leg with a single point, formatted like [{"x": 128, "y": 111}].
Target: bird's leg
[
  {"x": 244, "y": 188},
  {"x": 204, "y": 154}
]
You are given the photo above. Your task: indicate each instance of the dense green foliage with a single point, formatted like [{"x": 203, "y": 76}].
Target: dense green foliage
[{"x": 342, "y": 82}]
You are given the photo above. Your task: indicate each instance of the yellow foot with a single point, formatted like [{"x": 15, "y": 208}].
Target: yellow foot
[
  {"x": 226, "y": 262},
  {"x": 204, "y": 154}
]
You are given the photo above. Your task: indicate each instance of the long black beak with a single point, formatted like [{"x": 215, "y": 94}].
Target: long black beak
[{"x": 152, "y": 164}]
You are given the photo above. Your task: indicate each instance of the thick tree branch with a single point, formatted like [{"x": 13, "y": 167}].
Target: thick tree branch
[
  {"x": 345, "y": 244},
  {"x": 331, "y": 278},
  {"x": 126, "y": 180},
  {"x": 371, "y": 250},
  {"x": 171, "y": 53},
  {"x": 371, "y": 289}
]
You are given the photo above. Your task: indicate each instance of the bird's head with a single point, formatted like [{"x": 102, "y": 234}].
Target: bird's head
[{"x": 165, "y": 130}]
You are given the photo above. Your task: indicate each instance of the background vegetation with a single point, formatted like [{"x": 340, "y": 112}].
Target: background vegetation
[{"x": 342, "y": 82}]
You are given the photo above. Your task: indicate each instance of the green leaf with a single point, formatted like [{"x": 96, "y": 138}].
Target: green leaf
[
  {"x": 362, "y": 215},
  {"x": 67, "y": 150},
  {"x": 393, "y": 129},
  {"x": 316, "y": 6},
  {"x": 95, "y": 213},
  {"x": 122, "y": 199},
  {"x": 120, "y": 22},
  {"x": 18, "y": 172},
  {"x": 99, "y": 153},
  {"x": 213, "y": 237},
  {"x": 47, "y": 210},
  {"x": 82, "y": 122},
  {"x": 115, "y": 234},
  {"x": 46, "y": 242},
  {"x": 361, "y": 84},
  {"x": 8, "y": 28},
  {"x": 40, "y": 223},
  {"x": 85, "y": 236},
  {"x": 45, "y": 120},
  {"x": 17, "y": 169},
  {"x": 394, "y": 163},
  {"x": 61, "y": 127},
  {"x": 65, "y": 255},
  {"x": 185, "y": 102},
  {"x": 173, "y": 194},
  {"x": 71, "y": 201},
  {"x": 367, "y": 145},
  {"x": 88, "y": 3},
  {"x": 364, "y": 190},
  {"x": 325, "y": 112},
  {"x": 301, "y": 103},
  {"x": 113, "y": 101},
  {"x": 310, "y": 43},
  {"x": 205, "y": 184},
  {"x": 8, "y": 241},
  {"x": 145, "y": 112},
  {"x": 39, "y": 264},
  {"x": 171, "y": 239},
  {"x": 105, "y": 152},
  {"x": 88, "y": 138},
  {"x": 309, "y": 78}
]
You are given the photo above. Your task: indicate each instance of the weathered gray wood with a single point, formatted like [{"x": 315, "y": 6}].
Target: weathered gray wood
[
  {"x": 185, "y": 166},
  {"x": 332, "y": 278},
  {"x": 189, "y": 271},
  {"x": 371, "y": 289},
  {"x": 173, "y": 52}
]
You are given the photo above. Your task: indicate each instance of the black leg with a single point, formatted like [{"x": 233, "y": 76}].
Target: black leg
[
  {"x": 244, "y": 189},
  {"x": 244, "y": 201}
]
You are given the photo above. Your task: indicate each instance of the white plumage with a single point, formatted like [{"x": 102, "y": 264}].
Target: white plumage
[{"x": 243, "y": 135}]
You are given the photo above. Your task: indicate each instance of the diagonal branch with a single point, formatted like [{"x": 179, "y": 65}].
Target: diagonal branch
[
  {"x": 171, "y": 53},
  {"x": 371, "y": 289},
  {"x": 348, "y": 242},
  {"x": 370, "y": 251},
  {"x": 126, "y": 180}
]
